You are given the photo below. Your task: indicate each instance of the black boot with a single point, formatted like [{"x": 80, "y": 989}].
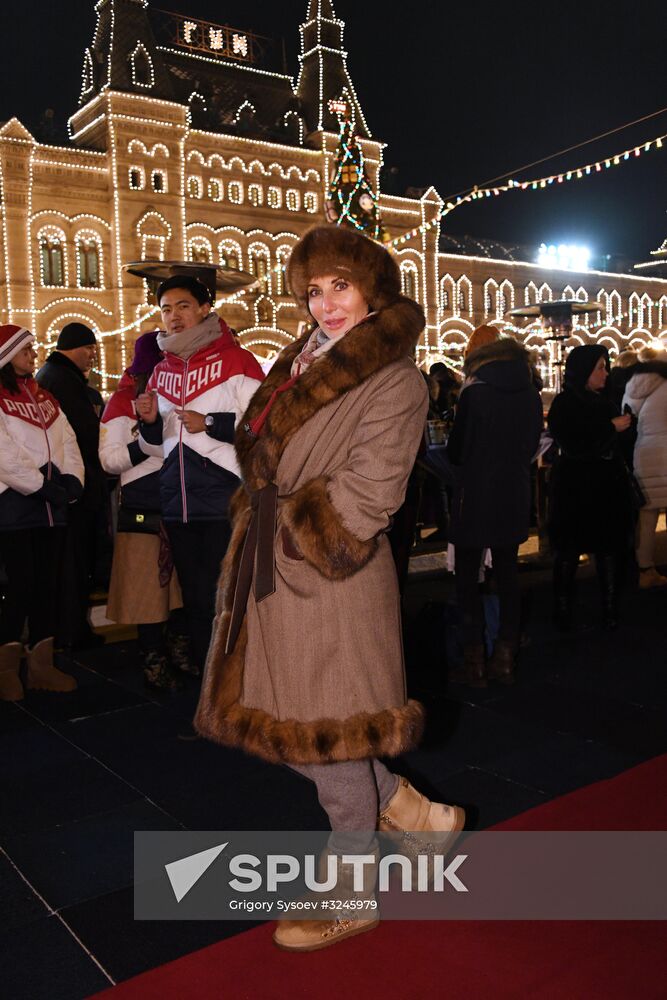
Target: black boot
[
  {"x": 608, "y": 578},
  {"x": 565, "y": 568}
]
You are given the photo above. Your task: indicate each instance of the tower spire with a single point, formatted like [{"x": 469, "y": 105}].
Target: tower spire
[{"x": 324, "y": 76}]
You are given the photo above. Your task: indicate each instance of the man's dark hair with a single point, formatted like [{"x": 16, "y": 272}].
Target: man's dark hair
[
  {"x": 437, "y": 368},
  {"x": 195, "y": 286}
]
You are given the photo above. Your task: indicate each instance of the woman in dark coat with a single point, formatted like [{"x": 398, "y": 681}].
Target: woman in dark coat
[
  {"x": 591, "y": 504},
  {"x": 494, "y": 438}
]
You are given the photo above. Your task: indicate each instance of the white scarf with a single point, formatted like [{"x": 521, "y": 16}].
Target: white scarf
[{"x": 188, "y": 342}]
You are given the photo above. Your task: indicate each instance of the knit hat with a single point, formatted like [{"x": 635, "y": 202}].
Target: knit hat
[
  {"x": 146, "y": 354},
  {"x": 332, "y": 249},
  {"x": 12, "y": 340},
  {"x": 75, "y": 335},
  {"x": 480, "y": 337}
]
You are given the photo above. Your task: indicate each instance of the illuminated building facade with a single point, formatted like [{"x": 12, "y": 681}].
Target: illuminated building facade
[{"x": 183, "y": 145}]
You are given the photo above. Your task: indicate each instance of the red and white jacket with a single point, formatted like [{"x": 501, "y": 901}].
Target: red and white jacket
[
  {"x": 200, "y": 471},
  {"x": 41, "y": 469},
  {"x": 120, "y": 454}
]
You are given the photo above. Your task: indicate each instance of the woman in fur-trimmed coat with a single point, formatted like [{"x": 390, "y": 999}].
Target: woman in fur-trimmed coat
[{"x": 306, "y": 666}]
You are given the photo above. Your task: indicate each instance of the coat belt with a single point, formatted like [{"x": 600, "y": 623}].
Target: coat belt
[{"x": 257, "y": 558}]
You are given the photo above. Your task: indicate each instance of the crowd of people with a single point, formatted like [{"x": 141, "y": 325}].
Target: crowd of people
[{"x": 302, "y": 486}]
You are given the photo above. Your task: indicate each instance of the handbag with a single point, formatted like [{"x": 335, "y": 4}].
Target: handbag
[{"x": 144, "y": 522}]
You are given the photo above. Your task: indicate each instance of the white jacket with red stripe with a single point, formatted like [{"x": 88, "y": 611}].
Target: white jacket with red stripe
[
  {"x": 200, "y": 471},
  {"x": 41, "y": 469}
]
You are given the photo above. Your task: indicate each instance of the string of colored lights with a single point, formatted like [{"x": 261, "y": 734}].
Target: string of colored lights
[{"x": 576, "y": 173}]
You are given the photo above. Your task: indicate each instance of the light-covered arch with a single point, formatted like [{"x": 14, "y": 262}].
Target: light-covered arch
[
  {"x": 464, "y": 295},
  {"x": 447, "y": 293},
  {"x": 530, "y": 294}
]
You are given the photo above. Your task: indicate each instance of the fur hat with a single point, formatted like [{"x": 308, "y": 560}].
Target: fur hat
[
  {"x": 481, "y": 336},
  {"x": 503, "y": 349},
  {"x": 12, "y": 340},
  {"x": 333, "y": 249}
]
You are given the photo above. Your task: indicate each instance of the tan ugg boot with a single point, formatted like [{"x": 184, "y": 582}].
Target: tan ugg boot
[
  {"x": 410, "y": 812},
  {"x": 42, "y": 675},
  {"x": 357, "y": 918},
  {"x": 11, "y": 688}
]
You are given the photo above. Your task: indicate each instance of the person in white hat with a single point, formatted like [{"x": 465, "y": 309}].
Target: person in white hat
[{"x": 41, "y": 473}]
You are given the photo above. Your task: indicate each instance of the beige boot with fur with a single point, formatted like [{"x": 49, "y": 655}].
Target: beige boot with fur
[
  {"x": 11, "y": 688},
  {"x": 359, "y": 916},
  {"x": 42, "y": 674},
  {"x": 410, "y": 812}
]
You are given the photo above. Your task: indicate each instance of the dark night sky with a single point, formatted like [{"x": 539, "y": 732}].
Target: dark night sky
[{"x": 460, "y": 92}]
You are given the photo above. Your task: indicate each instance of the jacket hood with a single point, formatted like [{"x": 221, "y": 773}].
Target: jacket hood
[
  {"x": 643, "y": 384},
  {"x": 504, "y": 364}
]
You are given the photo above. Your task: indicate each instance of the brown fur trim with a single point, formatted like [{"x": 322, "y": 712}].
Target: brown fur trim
[
  {"x": 382, "y": 734},
  {"x": 326, "y": 250},
  {"x": 379, "y": 340},
  {"x": 321, "y": 536},
  {"x": 505, "y": 349}
]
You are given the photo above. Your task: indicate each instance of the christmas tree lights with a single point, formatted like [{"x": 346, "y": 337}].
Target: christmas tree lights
[{"x": 351, "y": 200}]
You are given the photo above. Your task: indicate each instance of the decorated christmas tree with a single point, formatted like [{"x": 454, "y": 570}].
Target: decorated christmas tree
[{"x": 351, "y": 200}]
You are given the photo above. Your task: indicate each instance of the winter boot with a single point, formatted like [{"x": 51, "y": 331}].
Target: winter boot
[
  {"x": 472, "y": 672},
  {"x": 607, "y": 577},
  {"x": 565, "y": 569},
  {"x": 347, "y": 922},
  {"x": 42, "y": 674},
  {"x": 11, "y": 688},
  {"x": 409, "y": 814},
  {"x": 159, "y": 674},
  {"x": 501, "y": 666},
  {"x": 179, "y": 652}
]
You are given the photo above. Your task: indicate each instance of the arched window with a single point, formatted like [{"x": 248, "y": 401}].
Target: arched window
[
  {"x": 200, "y": 251},
  {"x": 216, "y": 189},
  {"x": 265, "y": 312},
  {"x": 235, "y": 192},
  {"x": 275, "y": 197},
  {"x": 505, "y": 298},
  {"x": 88, "y": 260},
  {"x": 52, "y": 257},
  {"x": 293, "y": 200},
  {"x": 255, "y": 194},
  {"x": 230, "y": 254},
  {"x": 141, "y": 65},
  {"x": 464, "y": 295},
  {"x": 409, "y": 280},
  {"x": 279, "y": 275},
  {"x": 530, "y": 295},
  {"x": 447, "y": 293},
  {"x": 634, "y": 310},
  {"x": 310, "y": 202},
  {"x": 490, "y": 298},
  {"x": 159, "y": 181},
  {"x": 195, "y": 187},
  {"x": 259, "y": 265},
  {"x": 137, "y": 178}
]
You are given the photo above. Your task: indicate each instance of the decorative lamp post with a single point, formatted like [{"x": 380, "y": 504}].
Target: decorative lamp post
[
  {"x": 556, "y": 320},
  {"x": 218, "y": 278}
]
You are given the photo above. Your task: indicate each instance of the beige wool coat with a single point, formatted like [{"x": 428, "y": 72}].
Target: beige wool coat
[{"x": 317, "y": 672}]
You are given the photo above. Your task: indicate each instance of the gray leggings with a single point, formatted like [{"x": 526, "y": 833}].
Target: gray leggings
[{"x": 352, "y": 793}]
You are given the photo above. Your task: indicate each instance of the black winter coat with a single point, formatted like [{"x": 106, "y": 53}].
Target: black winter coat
[
  {"x": 494, "y": 438},
  {"x": 591, "y": 504},
  {"x": 68, "y": 384}
]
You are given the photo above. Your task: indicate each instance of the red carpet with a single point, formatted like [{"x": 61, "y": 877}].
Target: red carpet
[{"x": 475, "y": 961}]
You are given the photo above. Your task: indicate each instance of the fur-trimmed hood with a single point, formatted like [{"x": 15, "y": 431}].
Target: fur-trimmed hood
[
  {"x": 382, "y": 338},
  {"x": 330, "y": 249},
  {"x": 505, "y": 349}
]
